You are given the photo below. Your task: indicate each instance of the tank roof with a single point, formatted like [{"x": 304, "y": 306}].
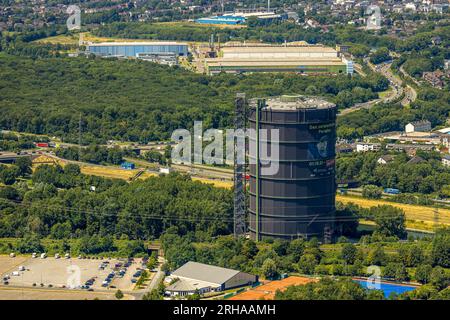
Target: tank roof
[{"x": 294, "y": 102}]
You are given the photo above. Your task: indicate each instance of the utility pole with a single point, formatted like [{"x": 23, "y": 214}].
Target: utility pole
[
  {"x": 79, "y": 138},
  {"x": 436, "y": 218}
]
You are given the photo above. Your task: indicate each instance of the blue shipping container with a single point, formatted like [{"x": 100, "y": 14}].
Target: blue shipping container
[
  {"x": 391, "y": 191},
  {"x": 127, "y": 165}
]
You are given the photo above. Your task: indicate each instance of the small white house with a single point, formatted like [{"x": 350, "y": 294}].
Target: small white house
[
  {"x": 385, "y": 159},
  {"x": 364, "y": 147},
  {"x": 411, "y": 7},
  {"x": 165, "y": 170},
  {"x": 198, "y": 277},
  {"x": 446, "y": 160},
  {"x": 418, "y": 126}
]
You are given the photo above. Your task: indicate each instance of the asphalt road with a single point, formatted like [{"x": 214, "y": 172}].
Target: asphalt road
[{"x": 396, "y": 86}]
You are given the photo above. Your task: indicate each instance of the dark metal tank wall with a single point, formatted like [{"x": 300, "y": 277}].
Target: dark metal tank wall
[{"x": 299, "y": 200}]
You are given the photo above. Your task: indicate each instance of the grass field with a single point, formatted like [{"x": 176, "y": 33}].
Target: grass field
[
  {"x": 95, "y": 170},
  {"x": 61, "y": 39},
  {"x": 109, "y": 172},
  {"x": 216, "y": 183},
  {"x": 118, "y": 173},
  {"x": 418, "y": 217},
  {"x": 383, "y": 94},
  {"x": 10, "y": 293}
]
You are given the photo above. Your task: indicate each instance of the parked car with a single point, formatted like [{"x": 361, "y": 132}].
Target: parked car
[{"x": 137, "y": 274}]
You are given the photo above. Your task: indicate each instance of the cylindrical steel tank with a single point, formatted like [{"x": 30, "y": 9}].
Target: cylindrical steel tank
[{"x": 298, "y": 200}]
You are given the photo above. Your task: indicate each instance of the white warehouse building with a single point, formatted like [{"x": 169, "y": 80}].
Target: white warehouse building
[{"x": 202, "y": 278}]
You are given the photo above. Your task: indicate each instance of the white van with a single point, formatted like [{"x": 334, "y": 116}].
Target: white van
[
  {"x": 43, "y": 255},
  {"x": 34, "y": 255},
  {"x": 16, "y": 273},
  {"x": 21, "y": 268}
]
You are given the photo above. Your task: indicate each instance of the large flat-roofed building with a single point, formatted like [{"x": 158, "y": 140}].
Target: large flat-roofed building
[
  {"x": 238, "y": 18},
  {"x": 279, "y": 52},
  {"x": 225, "y": 19},
  {"x": 133, "y": 49},
  {"x": 198, "y": 277},
  {"x": 302, "y": 58}
]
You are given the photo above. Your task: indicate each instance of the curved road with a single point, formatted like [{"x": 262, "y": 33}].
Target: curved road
[
  {"x": 410, "y": 92},
  {"x": 395, "y": 84}
]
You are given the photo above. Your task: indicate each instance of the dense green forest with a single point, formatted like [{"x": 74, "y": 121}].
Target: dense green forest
[
  {"x": 93, "y": 154},
  {"x": 421, "y": 61},
  {"x": 431, "y": 104},
  {"x": 138, "y": 101},
  {"x": 346, "y": 289},
  {"x": 425, "y": 260},
  {"x": 14, "y": 142},
  {"x": 426, "y": 177},
  {"x": 141, "y": 101},
  {"x": 59, "y": 204}
]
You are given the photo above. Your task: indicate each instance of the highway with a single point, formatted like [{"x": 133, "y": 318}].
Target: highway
[
  {"x": 397, "y": 87},
  {"x": 410, "y": 92}
]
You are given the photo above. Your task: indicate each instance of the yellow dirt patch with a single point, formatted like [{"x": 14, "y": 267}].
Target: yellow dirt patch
[
  {"x": 61, "y": 39},
  {"x": 147, "y": 175},
  {"x": 216, "y": 183},
  {"x": 413, "y": 212},
  {"x": 43, "y": 159},
  {"x": 109, "y": 172}
]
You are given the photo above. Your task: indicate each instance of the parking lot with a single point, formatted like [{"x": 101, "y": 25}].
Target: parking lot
[
  {"x": 9, "y": 264},
  {"x": 59, "y": 273}
]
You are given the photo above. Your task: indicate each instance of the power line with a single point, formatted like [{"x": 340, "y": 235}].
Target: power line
[{"x": 230, "y": 219}]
